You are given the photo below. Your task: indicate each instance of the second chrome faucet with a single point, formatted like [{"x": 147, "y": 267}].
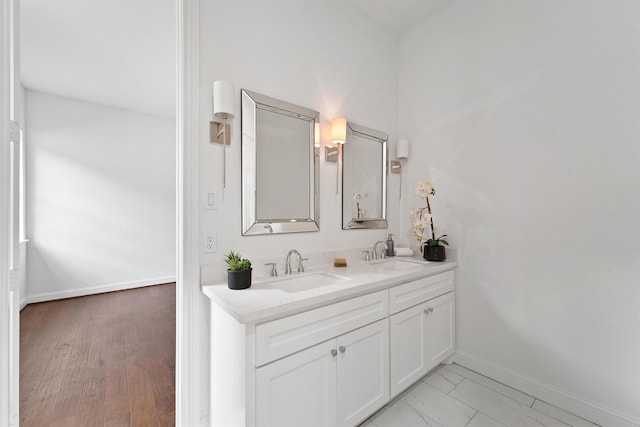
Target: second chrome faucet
[
  {"x": 287, "y": 268},
  {"x": 382, "y": 252}
]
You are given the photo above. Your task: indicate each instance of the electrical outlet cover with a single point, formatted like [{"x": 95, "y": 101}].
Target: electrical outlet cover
[{"x": 210, "y": 243}]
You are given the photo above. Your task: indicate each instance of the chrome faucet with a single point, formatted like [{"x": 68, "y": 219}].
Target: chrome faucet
[
  {"x": 287, "y": 268},
  {"x": 375, "y": 249},
  {"x": 274, "y": 270}
]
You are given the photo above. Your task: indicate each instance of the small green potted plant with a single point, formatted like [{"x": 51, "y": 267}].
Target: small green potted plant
[
  {"x": 433, "y": 249},
  {"x": 238, "y": 271}
]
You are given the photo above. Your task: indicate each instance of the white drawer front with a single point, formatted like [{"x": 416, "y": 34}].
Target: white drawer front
[
  {"x": 293, "y": 333},
  {"x": 421, "y": 290}
]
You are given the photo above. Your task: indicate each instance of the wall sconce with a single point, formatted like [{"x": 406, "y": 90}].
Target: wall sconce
[
  {"x": 338, "y": 138},
  {"x": 402, "y": 153},
  {"x": 339, "y": 130},
  {"x": 223, "y": 108},
  {"x": 331, "y": 153}
]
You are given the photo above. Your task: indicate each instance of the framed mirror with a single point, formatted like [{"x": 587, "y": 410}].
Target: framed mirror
[
  {"x": 279, "y": 166},
  {"x": 364, "y": 178}
]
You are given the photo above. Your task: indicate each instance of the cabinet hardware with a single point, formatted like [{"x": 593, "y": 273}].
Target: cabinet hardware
[
  {"x": 342, "y": 349},
  {"x": 334, "y": 353}
]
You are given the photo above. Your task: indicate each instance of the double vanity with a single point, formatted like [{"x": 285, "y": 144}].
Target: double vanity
[{"x": 330, "y": 346}]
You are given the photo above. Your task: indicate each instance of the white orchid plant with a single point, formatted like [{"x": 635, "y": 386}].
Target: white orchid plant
[{"x": 422, "y": 217}]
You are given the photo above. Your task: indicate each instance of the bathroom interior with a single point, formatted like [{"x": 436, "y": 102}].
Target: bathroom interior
[{"x": 524, "y": 115}]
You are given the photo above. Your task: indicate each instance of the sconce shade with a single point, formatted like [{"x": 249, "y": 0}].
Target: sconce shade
[
  {"x": 402, "y": 150},
  {"x": 339, "y": 130},
  {"x": 223, "y": 105}
]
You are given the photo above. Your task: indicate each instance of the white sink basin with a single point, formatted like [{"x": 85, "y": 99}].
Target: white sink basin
[
  {"x": 397, "y": 265},
  {"x": 305, "y": 281}
]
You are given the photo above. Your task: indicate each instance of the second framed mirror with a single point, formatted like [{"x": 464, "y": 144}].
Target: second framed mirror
[{"x": 364, "y": 178}]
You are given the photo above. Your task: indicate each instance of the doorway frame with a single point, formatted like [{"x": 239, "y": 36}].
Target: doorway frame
[
  {"x": 188, "y": 295},
  {"x": 188, "y": 311},
  {"x": 5, "y": 321}
]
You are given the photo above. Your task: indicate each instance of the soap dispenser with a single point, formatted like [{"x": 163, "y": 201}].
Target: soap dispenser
[{"x": 390, "y": 251}]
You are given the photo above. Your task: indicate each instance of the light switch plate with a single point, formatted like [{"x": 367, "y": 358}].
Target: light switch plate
[{"x": 211, "y": 201}]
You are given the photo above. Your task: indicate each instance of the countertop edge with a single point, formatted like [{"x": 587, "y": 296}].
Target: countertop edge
[{"x": 315, "y": 301}]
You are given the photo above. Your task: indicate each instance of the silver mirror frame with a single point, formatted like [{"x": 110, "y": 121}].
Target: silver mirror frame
[
  {"x": 251, "y": 225},
  {"x": 348, "y": 222}
]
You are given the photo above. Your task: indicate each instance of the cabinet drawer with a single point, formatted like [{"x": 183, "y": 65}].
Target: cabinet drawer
[
  {"x": 293, "y": 333},
  {"x": 416, "y": 292}
]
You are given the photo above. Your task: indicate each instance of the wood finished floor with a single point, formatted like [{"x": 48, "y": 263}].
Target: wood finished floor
[{"x": 99, "y": 360}]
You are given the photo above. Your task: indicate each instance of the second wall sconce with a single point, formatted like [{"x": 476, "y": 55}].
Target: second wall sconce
[
  {"x": 338, "y": 138},
  {"x": 339, "y": 130},
  {"x": 402, "y": 153},
  {"x": 223, "y": 108}
]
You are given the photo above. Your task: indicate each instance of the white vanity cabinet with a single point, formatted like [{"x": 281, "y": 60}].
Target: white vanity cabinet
[
  {"x": 334, "y": 364},
  {"x": 421, "y": 328},
  {"x": 336, "y": 383}
]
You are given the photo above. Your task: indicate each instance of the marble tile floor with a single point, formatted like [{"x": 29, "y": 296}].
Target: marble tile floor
[{"x": 453, "y": 396}]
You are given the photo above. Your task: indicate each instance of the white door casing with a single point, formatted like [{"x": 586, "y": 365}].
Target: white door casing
[
  {"x": 9, "y": 220},
  {"x": 189, "y": 317},
  {"x": 14, "y": 282},
  {"x": 5, "y": 157}
]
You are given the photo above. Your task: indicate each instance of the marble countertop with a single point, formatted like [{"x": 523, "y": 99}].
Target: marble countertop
[{"x": 265, "y": 300}]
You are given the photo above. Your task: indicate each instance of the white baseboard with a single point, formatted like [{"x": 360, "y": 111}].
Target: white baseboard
[
  {"x": 572, "y": 403},
  {"x": 50, "y": 296},
  {"x": 23, "y": 303}
]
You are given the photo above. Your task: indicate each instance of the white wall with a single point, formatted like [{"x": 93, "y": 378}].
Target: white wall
[
  {"x": 100, "y": 197},
  {"x": 318, "y": 54},
  {"x": 525, "y": 115}
]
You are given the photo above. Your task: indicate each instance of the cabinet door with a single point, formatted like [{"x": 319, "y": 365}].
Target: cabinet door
[
  {"x": 408, "y": 337},
  {"x": 298, "y": 390},
  {"x": 363, "y": 372},
  {"x": 440, "y": 329}
]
